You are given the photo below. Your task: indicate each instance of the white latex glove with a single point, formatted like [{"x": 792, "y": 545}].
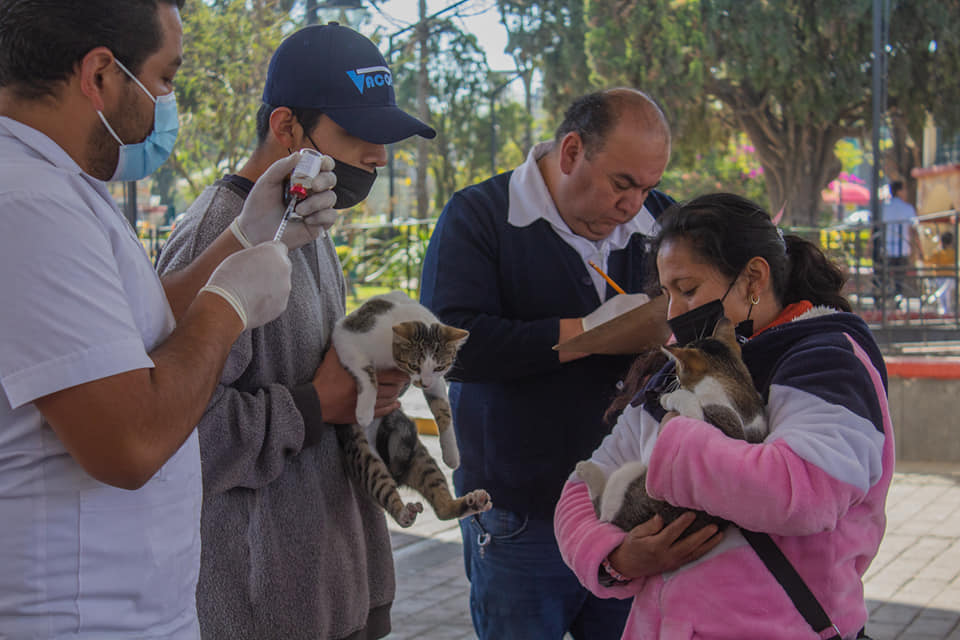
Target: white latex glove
[
  {"x": 255, "y": 281},
  {"x": 263, "y": 208},
  {"x": 615, "y": 306}
]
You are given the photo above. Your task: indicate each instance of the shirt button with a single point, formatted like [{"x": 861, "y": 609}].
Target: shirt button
[{"x": 587, "y": 280}]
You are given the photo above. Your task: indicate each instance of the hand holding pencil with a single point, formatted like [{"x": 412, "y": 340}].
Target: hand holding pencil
[{"x": 613, "y": 307}]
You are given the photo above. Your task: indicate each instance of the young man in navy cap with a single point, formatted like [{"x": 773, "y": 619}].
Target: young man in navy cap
[{"x": 290, "y": 549}]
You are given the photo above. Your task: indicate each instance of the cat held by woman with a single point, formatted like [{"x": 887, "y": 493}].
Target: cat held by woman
[
  {"x": 714, "y": 385},
  {"x": 391, "y": 330}
]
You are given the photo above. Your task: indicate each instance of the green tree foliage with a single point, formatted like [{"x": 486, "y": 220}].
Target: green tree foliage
[
  {"x": 789, "y": 73},
  {"x": 924, "y": 77},
  {"x": 227, "y": 47},
  {"x": 459, "y": 102},
  {"x": 550, "y": 35},
  {"x": 731, "y": 166},
  {"x": 794, "y": 75}
]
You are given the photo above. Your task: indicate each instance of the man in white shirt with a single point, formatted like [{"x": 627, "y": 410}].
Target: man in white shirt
[
  {"x": 104, "y": 369},
  {"x": 899, "y": 220}
]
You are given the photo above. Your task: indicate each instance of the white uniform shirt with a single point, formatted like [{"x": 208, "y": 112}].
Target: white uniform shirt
[
  {"x": 80, "y": 301},
  {"x": 530, "y": 201}
]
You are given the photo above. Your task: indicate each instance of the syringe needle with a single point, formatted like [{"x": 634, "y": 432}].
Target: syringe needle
[{"x": 283, "y": 221}]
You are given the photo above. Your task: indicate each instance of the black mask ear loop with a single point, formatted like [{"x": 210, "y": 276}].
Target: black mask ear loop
[
  {"x": 744, "y": 328},
  {"x": 311, "y": 141}
]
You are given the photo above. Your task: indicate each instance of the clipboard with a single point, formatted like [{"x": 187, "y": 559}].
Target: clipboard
[{"x": 633, "y": 332}]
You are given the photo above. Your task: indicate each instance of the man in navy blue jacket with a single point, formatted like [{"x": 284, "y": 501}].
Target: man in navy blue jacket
[{"x": 508, "y": 261}]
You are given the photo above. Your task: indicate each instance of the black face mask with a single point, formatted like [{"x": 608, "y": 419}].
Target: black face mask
[
  {"x": 353, "y": 184},
  {"x": 696, "y": 324},
  {"x": 700, "y": 322}
]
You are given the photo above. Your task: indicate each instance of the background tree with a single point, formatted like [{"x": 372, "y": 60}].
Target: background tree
[
  {"x": 788, "y": 73},
  {"x": 924, "y": 78},
  {"x": 550, "y": 35},
  {"x": 228, "y": 45},
  {"x": 459, "y": 106},
  {"x": 794, "y": 75}
]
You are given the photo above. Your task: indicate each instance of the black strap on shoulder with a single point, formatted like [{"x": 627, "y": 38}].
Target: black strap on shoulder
[{"x": 803, "y": 599}]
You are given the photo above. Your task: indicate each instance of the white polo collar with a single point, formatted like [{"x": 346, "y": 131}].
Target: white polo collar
[{"x": 530, "y": 201}]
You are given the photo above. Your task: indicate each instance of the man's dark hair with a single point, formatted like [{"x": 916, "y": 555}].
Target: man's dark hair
[
  {"x": 896, "y": 187},
  {"x": 42, "y": 41},
  {"x": 307, "y": 118},
  {"x": 595, "y": 115},
  {"x": 591, "y": 116}
]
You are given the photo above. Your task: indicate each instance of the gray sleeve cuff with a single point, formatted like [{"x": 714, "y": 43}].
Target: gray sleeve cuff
[{"x": 308, "y": 404}]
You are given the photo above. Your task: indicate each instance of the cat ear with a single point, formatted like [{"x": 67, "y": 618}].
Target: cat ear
[
  {"x": 405, "y": 330},
  {"x": 676, "y": 353},
  {"x": 725, "y": 333},
  {"x": 453, "y": 334}
]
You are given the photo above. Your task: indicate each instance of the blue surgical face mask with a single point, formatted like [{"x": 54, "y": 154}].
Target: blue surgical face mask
[{"x": 140, "y": 159}]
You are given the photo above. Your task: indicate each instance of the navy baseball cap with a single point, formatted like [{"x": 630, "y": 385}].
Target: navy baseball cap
[{"x": 343, "y": 74}]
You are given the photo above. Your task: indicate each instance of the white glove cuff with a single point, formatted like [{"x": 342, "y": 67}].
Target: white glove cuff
[
  {"x": 229, "y": 297},
  {"x": 238, "y": 233}
]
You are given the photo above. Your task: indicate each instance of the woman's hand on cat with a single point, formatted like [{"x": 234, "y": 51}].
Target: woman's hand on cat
[{"x": 651, "y": 548}]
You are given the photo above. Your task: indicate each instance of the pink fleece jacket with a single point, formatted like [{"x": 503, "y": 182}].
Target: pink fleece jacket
[{"x": 817, "y": 485}]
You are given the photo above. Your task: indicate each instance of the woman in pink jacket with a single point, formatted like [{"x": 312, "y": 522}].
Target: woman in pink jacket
[{"x": 817, "y": 484}]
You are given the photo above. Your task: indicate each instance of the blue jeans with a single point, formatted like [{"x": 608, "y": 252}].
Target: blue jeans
[{"x": 521, "y": 589}]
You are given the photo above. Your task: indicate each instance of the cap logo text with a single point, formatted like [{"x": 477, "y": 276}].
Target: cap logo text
[{"x": 370, "y": 77}]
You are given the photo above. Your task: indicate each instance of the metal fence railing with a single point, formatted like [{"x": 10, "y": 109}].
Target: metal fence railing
[{"x": 908, "y": 293}]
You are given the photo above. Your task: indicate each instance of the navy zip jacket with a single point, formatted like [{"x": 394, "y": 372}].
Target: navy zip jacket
[{"x": 523, "y": 420}]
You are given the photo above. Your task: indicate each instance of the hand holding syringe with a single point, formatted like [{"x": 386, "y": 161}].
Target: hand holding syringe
[
  {"x": 309, "y": 213},
  {"x": 308, "y": 167}
]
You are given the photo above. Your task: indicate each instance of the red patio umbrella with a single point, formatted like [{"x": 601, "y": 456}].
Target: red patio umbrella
[{"x": 846, "y": 193}]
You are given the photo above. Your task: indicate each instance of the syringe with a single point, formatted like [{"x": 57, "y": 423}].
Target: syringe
[{"x": 308, "y": 167}]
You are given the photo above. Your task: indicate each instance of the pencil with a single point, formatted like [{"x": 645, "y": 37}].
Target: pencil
[{"x": 613, "y": 284}]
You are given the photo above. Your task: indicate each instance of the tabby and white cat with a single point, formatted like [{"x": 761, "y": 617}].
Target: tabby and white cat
[
  {"x": 714, "y": 386},
  {"x": 388, "y": 331}
]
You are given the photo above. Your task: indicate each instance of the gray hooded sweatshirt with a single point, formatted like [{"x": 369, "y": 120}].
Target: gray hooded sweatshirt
[{"x": 290, "y": 547}]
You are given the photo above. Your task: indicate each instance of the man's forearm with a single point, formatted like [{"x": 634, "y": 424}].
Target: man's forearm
[{"x": 181, "y": 286}]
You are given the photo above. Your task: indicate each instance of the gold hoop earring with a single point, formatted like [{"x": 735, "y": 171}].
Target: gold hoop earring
[{"x": 754, "y": 299}]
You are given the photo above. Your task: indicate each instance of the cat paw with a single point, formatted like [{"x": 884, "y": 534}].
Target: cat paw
[
  {"x": 477, "y": 501},
  {"x": 408, "y": 514},
  {"x": 586, "y": 470},
  {"x": 364, "y": 417},
  {"x": 592, "y": 476},
  {"x": 683, "y": 402},
  {"x": 451, "y": 458}
]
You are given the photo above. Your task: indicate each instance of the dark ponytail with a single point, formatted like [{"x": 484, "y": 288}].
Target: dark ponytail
[{"x": 812, "y": 276}]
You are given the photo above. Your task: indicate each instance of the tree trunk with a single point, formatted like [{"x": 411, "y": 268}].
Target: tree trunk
[
  {"x": 797, "y": 156},
  {"x": 903, "y": 155},
  {"x": 423, "y": 89}
]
